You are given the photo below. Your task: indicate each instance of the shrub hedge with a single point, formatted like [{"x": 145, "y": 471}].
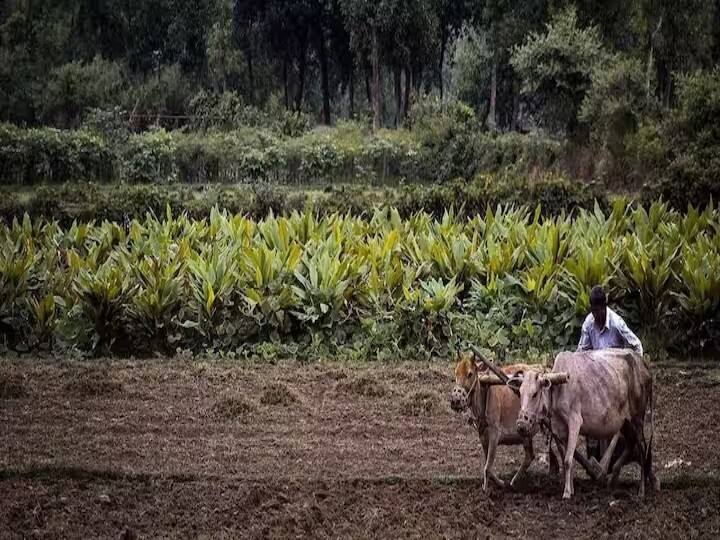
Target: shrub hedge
[
  {"x": 347, "y": 152},
  {"x": 115, "y": 202}
]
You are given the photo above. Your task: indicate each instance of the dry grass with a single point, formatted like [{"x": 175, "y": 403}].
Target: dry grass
[
  {"x": 233, "y": 408},
  {"x": 277, "y": 394},
  {"x": 365, "y": 385},
  {"x": 420, "y": 403},
  {"x": 12, "y": 387},
  {"x": 93, "y": 383}
]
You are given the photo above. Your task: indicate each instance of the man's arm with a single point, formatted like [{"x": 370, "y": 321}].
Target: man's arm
[
  {"x": 630, "y": 338},
  {"x": 585, "y": 343}
]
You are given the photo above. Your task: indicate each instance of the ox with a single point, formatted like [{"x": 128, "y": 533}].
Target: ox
[
  {"x": 495, "y": 410},
  {"x": 609, "y": 391}
]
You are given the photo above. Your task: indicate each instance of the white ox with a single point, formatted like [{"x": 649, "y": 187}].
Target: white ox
[{"x": 608, "y": 391}]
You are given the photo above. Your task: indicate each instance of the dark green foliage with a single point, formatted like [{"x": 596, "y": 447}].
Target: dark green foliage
[
  {"x": 29, "y": 156},
  {"x": 685, "y": 147},
  {"x": 86, "y": 201},
  {"x": 441, "y": 145}
]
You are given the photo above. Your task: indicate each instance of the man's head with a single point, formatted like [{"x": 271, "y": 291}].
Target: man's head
[{"x": 598, "y": 305}]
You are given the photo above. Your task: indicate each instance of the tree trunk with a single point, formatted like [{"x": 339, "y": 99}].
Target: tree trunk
[
  {"x": 406, "y": 98},
  {"x": 491, "y": 119},
  {"x": 376, "y": 97},
  {"x": 251, "y": 78},
  {"x": 368, "y": 93},
  {"x": 516, "y": 105},
  {"x": 443, "y": 46},
  {"x": 398, "y": 95},
  {"x": 351, "y": 91},
  {"x": 322, "y": 53},
  {"x": 648, "y": 74},
  {"x": 285, "y": 81},
  {"x": 301, "y": 72}
]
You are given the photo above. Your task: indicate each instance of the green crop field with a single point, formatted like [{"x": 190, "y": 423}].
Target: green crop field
[{"x": 371, "y": 287}]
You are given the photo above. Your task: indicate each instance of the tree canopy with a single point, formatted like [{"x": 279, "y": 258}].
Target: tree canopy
[{"x": 337, "y": 59}]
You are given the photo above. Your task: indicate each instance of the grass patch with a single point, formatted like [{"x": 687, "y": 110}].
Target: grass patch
[
  {"x": 12, "y": 387},
  {"x": 93, "y": 383},
  {"x": 364, "y": 385},
  {"x": 233, "y": 408},
  {"x": 420, "y": 403},
  {"x": 277, "y": 394}
]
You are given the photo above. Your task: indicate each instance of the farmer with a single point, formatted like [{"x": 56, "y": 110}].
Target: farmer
[{"x": 604, "y": 329}]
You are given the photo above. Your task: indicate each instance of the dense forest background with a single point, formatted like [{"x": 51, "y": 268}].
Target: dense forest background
[
  {"x": 630, "y": 89},
  {"x": 347, "y": 58}
]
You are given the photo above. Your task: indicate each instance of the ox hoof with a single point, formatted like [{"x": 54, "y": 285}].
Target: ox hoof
[{"x": 566, "y": 495}]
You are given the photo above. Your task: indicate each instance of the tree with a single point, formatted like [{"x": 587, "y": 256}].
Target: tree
[
  {"x": 679, "y": 35},
  {"x": 452, "y": 15},
  {"x": 504, "y": 24},
  {"x": 617, "y": 101},
  {"x": 556, "y": 67},
  {"x": 224, "y": 59}
]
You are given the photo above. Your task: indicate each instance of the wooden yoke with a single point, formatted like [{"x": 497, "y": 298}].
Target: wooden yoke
[{"x": 591, "y": 465}]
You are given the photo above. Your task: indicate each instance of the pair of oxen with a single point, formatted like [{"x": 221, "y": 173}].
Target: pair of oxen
[{"x": 608, "y": 395}]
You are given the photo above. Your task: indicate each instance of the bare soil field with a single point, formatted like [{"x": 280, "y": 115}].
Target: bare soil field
[{"x": 177, "y": 449}]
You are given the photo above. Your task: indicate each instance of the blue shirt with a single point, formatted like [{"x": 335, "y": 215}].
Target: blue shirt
[{"x": 614, "y": 335}]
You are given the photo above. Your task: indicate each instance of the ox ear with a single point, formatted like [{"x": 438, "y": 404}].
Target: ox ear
[
  {"x": 546, "y": 383},
  {"x": 480, "y": 367}
]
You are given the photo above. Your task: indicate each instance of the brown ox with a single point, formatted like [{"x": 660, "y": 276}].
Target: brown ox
[
  {"x": 609, "y": 391},
  {"x": 495, "y": 409}
]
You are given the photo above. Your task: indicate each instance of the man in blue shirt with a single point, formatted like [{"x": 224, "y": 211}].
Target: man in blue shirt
[{"x": 604, "y": 329}]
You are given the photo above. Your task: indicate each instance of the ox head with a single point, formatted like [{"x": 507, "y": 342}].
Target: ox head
[
  {"x": 466, "y": 373},
  {"x": 534, "y": 400}
]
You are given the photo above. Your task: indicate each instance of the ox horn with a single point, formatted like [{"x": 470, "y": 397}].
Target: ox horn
[{"x": 560, "y": 377}]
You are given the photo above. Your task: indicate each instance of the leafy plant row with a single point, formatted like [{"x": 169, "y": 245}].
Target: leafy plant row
[{"x": 381, "y": 286}]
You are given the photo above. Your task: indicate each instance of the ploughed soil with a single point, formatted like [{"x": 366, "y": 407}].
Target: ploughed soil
[{"x": 177, "y": 449}]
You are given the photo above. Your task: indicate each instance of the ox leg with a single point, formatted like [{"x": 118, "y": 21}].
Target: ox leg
[
  {"x": 493, "y": 440},
  {"x": 618, "y": 466},
  {"x": 555, "y": 458},
  {"x": 573, "y": 426},
  {"x": 485, "y": 447},
  {"x": 529, "y": 457},
  {"x": 654, "y": 480},
  {"x": 633, "y": 433},
  {"x": 605, "y": 461}
]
